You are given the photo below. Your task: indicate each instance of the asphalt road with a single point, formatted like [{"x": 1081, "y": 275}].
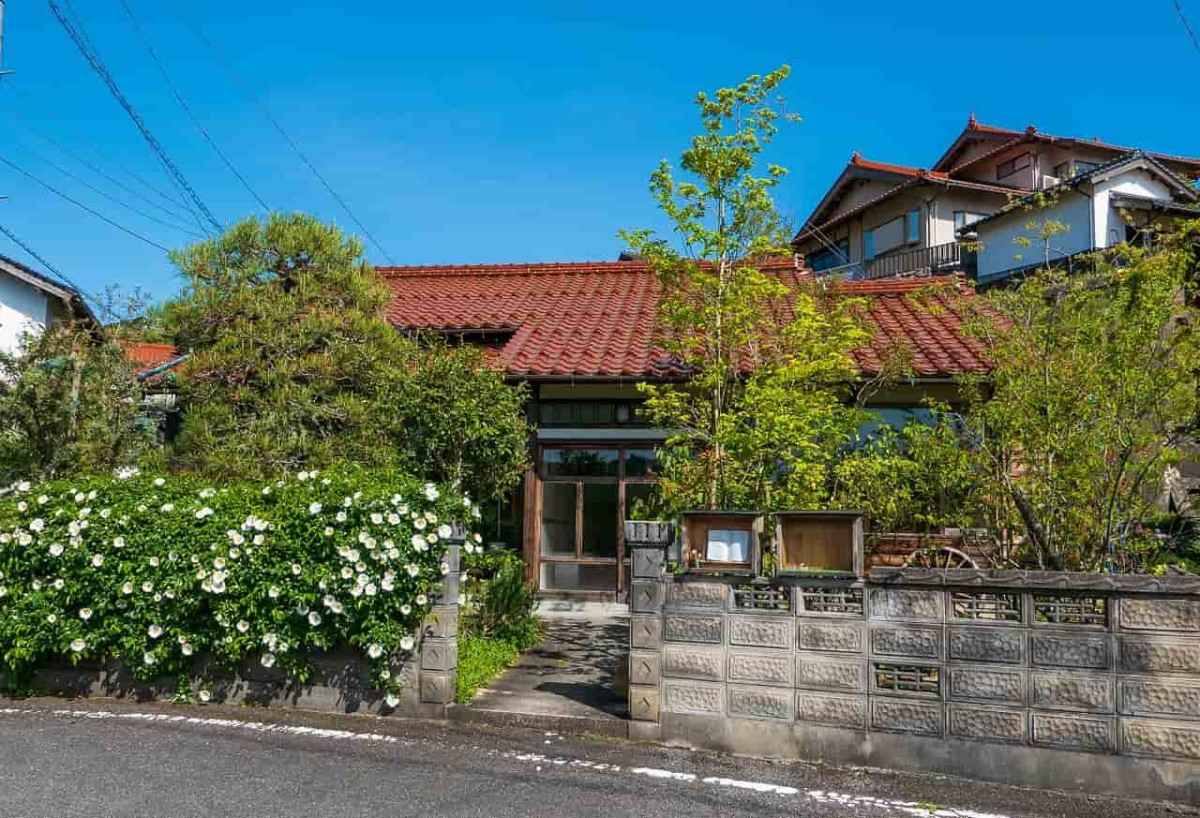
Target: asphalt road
[{"x": 112, "y": 759}]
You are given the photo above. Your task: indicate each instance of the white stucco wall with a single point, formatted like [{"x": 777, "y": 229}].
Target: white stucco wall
[
  {"x": 23, "y": 308},
  {"x": 998, "y": 250},
  {"x": 1110, "y": 227}
]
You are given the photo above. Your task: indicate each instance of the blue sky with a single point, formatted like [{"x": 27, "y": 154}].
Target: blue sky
[{"x": 473, "y": 132}]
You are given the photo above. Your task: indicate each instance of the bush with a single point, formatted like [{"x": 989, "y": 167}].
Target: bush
[
  {"x": 479, "y": 660},
  {"x": 502, "y": 601},
  {"x": 158, "y": 570}
]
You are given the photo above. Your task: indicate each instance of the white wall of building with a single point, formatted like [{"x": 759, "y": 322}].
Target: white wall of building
[
  {"x": 1110, "y": 226},
  {"x": 999, "y": 249},
  {"x": 23, "y": 308}
]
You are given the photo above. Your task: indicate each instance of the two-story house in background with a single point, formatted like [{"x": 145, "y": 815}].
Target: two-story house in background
[{"x": 880, "y": 220}]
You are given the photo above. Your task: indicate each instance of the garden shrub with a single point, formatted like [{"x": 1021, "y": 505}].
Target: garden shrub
[
  {"x": 157, "y": 571},
  {"x": 501, "y": 600},
  {"x": 479, "y": 660}
]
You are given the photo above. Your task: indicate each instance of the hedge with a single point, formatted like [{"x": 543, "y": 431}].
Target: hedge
[{"x": 157, "y": 570}]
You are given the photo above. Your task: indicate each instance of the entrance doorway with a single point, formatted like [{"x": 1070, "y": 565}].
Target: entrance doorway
[{"x": 586, "y": 494}]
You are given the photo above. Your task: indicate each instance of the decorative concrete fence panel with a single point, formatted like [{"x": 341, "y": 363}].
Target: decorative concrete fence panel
[{"x": 1063, "y": 680}]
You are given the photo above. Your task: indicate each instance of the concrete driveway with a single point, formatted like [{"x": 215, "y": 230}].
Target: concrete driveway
[{"x": 111, "y": 759}]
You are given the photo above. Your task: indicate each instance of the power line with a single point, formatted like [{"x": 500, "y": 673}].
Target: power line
[
  {"x": 180, "y": 207},
  {"x": 34, "y": 253},
  {"x": 79, "y": 37},
  {"x": 1186, "y": 25},
  {"x": 249, "y": 92},
  {"x": 81, "y": 205},
  {"x": 187, "y": 108},
  {"x": 115, "y": 200}
]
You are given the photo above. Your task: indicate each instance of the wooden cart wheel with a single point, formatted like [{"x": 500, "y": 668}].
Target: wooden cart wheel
[{"x": 944, "y": 557}]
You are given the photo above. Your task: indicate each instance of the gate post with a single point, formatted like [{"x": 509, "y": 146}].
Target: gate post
[
  {"x": 439, "y": 636},
  {"x": 647, "y": 543}
]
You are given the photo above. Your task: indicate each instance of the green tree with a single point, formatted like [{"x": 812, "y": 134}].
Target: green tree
[
  {"x": 762, "y": 412},
  {"x": 294, "y": 365},
  {"x": 292, "y": 360},
  {"x": 1092, "y": 386},
  {"x": 69, "y": 402}
]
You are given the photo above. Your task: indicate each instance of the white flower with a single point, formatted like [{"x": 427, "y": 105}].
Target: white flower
[
  {"x": 419, "y": 524},
  {"x": 37, "y": 525},
  {"x": 407, "y": 643},
  {"x": 3, "y": 592},
  {"x": 23, "y": 485},
  {"x": 445, "y": 567},
  {"x": 24, "y": 539},
  {"x": 243, "y": 626},
  {"x": 204, "y": 512},
  {"x": 125, "y": 472},
  {"x": 268, "y": 660},
  {"x": 314, "y": 618},
  {"x": 444, "y": 531},
  {"x": 273, "y": 592},
  {"x": 388, "y": 583},
  {"x": 393, "y": 518},
  {"x": 105, "y": 513},
  {"x": 219, "y": 563},
  {"x": 302, "y": 476},
  {"x": 375, "y": 651},
  {"x": 234, "y": 553},
  {"x": 52, "y": 618},
  {"x": 266, "y": 490},
  {"x": 168, "y": 507},
  {"x": 406, "y": 609},
  {"x": 477, "y": 537},
  {"x": 413, "y": 569},
  {"x": 204, "y": 696},
  {"x": 356, "y": 591},
  {"x": 147, "y": 587},
  {"x": 80, "y": 497},
  {"x": 377, "y": 518},
  {"x": 431, "y": 517},
  {"x": 155, "y": 562},
  {"x": 315, "y": 508},
  {"x": 392, "y": 700},
  {"x": 370, "y": 589},
  {"x": 385, "y": 674},
  {"x": 341, "y": 517},
  {"x": 259, "y": 539},
  {"x": 58, "y": 584},
  {"x": 85, "y": 614},
  {"x": 56, "y": 550},
  {"x": 419, "y": 542},
  {"x": 422, "y": 599},
  {"x": 155, "y": 631},
  {"x": 431, "y": 492},
  {"x": 328, "y": 532},
  {"x": 78, "y": 645},
  {"x": 148, "y": 658},
  {"x": 36, "y": 585},
  {"x": 127, "y": 588},
  {"x": 118, "y": 542},
  {"x": 335, "y": 607},
  {"x": 431, "y": 538},
  {"x": 347, "y": 572},
  {"x": 206, "y": 493},
  {"x": 160, "y": 482},
  {"x": 402, "y": 509},
  {"x": 186, "y": 649}
]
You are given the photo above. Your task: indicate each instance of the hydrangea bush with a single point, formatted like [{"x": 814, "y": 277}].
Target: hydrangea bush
[{"x": 159, "y": 570}]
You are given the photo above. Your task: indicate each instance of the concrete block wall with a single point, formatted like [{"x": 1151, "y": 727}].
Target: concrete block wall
[{"x": 1061, "y": 680}]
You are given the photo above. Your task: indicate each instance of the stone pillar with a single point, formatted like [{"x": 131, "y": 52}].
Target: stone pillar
[
  {"x": 439, "y": 637},
  {"x": 647, "y": 543}
]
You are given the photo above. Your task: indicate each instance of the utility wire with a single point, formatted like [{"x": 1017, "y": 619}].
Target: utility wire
[
  {"x": 79, "y": 37},
  {"x": 81, "y": 205},
  {"x": 162, "y": 69},
  {"x": 99, "y": 171},
  {"x": 1186, "y": 25},
  {"x": 100, "y": 191},
  {"x": 34, "y": 253},
  {"x": 249, "y": 92}
]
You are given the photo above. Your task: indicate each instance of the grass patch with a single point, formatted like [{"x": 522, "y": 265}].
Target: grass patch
[{"x": 480, "y": 659}]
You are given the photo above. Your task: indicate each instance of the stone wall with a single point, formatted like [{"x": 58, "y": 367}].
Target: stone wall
[
  {"x": 341, "y": 681},
  {"x": 1046, "y": 679}
]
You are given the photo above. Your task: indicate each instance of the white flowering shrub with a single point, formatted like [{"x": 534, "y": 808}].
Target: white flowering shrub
[{"x": 158, "y": 570}]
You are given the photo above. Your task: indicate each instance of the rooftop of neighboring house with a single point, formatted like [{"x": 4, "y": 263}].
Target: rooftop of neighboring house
[
  {"x": 969, "y": 164},
  {"x": 596, "y": 321},
  {"x": 151, "y": 359},
  {"x": 55, "y": 289}
]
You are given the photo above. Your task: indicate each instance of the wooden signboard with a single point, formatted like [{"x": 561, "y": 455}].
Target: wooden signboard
[
  {"x": 819, "y": 542},
  {"x": 725, "y": 541}
]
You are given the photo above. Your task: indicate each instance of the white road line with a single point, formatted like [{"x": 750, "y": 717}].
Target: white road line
[{"x": 856, "y": 804}]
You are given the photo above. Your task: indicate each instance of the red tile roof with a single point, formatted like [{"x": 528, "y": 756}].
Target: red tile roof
[
  {"x": 596, "y": 320},
  {"x": 147, "y": 356}
]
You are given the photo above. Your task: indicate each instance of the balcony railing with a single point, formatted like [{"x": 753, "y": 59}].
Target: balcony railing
[{"x": 936, "y": 260}]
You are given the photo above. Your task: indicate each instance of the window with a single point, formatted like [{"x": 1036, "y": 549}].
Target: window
[
  {"x": 962, "y": 218},
  {"x": 891, "y": 234},
  {"x": 1066, "y": 170},
  {"x": 587, "y": 413},
  {"x": 1085, "y": 167},
  {"x": 830, "y": 257},
  {"x": 1006, "y": 169},
  {"x": 579, "y": 463}
]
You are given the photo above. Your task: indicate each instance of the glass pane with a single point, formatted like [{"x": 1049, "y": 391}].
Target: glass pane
[
  {"x": 579, "y": 462},
  {"x": 600, "y": 519},
  {"x": 642, "y": 501},
  {"x": 641, "y": 463},
  {"x": 558, "y": 519},
  {"x": 566, "y": 577}
]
